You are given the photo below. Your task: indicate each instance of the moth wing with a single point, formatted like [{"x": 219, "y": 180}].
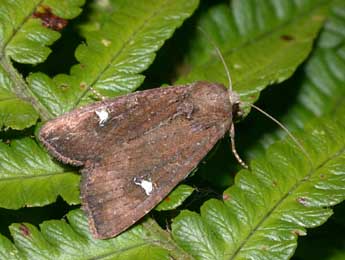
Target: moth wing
[
  {"x": 151, "y": 141},
  {"x": 134, "y": 177},
  {"x": 84, "y": 133}
]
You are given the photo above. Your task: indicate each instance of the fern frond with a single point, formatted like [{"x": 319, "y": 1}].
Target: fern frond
[
  {"x": 30, "y": 178},
  {"x": 116, "y": 53},
  {"x": 25, "y": 38},
  {"x": 261, "y": 43},
  {"x": 319, "y": 86},
  {"x": 58, "y": 239},
  {"x": 260, "y": 217},
  {"x": 269, "y": 206},
  {"x": 15, "y": 113},
  {"x": 175, "y": 198}
]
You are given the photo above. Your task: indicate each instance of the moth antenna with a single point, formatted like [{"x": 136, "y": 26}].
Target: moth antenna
[
  {"x": 294, "y": 139},
  {"x": 219, "y": 54},
  {"x": 232, "y": 97}
]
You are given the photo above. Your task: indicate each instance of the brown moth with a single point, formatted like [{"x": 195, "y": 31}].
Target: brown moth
[{"x": 136, "y": 148}]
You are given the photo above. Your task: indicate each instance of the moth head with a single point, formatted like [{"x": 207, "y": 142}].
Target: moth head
[{"x": 235, "y": 102}]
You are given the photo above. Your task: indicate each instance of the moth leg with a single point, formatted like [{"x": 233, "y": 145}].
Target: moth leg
[{"x": 233, "y": 146}]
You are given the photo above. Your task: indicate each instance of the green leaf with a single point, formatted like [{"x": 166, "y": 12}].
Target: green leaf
[
  {"x": 323, "y": 85},
  {"x": 28, "y": 177},
  {"x": 269, "y": 206},
  {"x": 58, "y": 94},
  {"x": 55, "y": 98},
  {"x": 115, "y": 53},
  {"x": 261, "y": 43},
  {"x": 40, "y": 185},
  {"x": 23, "y": 37},
  {"x": 262, "y": 215},
  {"x": 320, "y": 84},
  {"x": 325, "y": 242},
  {"x": 175, "y": 198},
  {"x": 58, "y": 239},
  {"x": 8, "y": 250},
  {"x": 260, "y": 218},
  {"x": 14, "y": 112}
]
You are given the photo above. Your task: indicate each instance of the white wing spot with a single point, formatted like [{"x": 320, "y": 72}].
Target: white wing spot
[
  {"x": 103, "y": 116},
  {"x": 147, "y": 185}
]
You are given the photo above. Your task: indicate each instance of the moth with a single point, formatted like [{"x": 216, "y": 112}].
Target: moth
[{"x": 134, "y": 149}]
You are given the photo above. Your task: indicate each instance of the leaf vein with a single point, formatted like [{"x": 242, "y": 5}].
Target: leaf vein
[{"x": 291, "y": 190}]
